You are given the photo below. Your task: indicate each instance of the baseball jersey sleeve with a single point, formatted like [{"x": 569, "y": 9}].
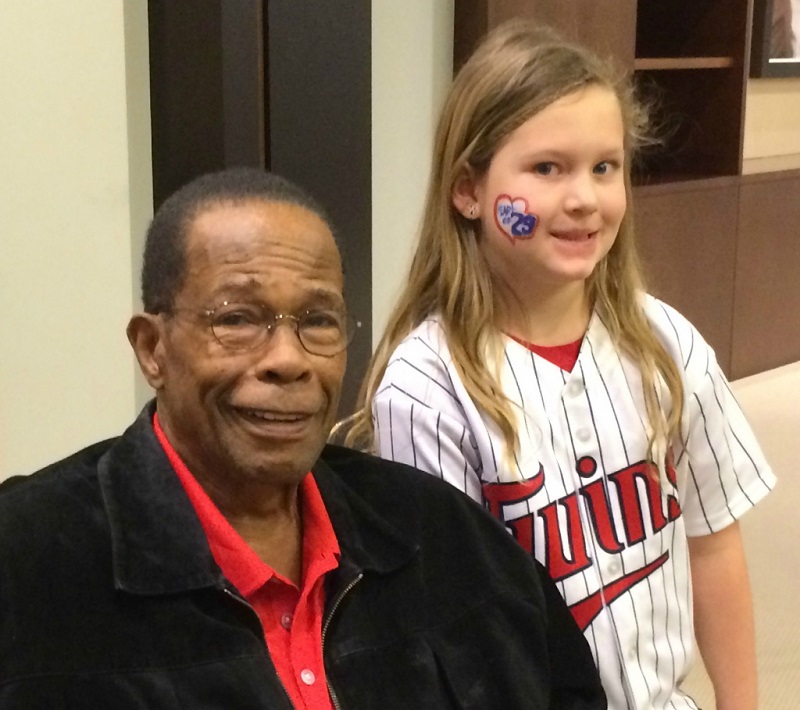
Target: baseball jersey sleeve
[
  {"x": 723, "y": 469},
  {"x": 417, "y": 414}
]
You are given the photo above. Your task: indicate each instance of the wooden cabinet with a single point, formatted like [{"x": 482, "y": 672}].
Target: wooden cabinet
[
  {"x": 691, "y": 65},
  {"x": 607, "y": 26}
]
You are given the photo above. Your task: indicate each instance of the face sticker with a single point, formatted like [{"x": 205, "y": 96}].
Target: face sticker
[{"x": 512, "y": 217}]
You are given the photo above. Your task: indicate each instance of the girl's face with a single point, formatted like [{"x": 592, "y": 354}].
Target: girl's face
[{"x": 553, "y": 197}]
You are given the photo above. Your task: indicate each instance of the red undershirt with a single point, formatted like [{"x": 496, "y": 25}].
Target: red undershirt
[
  {"x": 291, "y": 617},
  {"x": 564, "y": 356}
]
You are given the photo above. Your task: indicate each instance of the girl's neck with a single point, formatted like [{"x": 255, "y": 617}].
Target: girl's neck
[{"x": 551, "y": 317}]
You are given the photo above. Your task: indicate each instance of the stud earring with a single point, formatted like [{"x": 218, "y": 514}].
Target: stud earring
[{"x": 472, "y": 211}]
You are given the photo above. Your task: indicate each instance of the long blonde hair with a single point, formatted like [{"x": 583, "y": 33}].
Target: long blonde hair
[{"x": 517, "y": 71}]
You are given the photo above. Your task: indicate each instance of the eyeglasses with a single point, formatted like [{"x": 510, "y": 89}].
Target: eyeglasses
[{"x": 247, "y": 326}]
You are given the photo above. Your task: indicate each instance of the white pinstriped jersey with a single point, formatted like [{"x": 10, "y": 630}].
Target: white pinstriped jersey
[{"x": 577, "y": 495}]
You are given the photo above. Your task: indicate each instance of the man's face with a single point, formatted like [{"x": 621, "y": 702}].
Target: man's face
[{"x": 262, "y": 415}]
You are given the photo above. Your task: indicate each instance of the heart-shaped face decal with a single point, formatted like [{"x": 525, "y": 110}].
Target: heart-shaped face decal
[{"x": 512, "y": 217}]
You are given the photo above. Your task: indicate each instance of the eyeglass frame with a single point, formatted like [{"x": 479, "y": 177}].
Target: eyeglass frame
[{"x": 270, "y": 321}]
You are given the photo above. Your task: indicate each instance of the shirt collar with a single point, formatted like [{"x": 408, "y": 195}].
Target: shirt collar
[
  {"x": 237, "y": 560},
  {"x": 160, "y": 547}
]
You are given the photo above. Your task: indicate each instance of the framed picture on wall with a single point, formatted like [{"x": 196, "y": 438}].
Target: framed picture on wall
[{"x": 776, "y": 38}]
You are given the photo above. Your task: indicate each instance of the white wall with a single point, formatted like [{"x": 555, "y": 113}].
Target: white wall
[
  {"x": 68, "y": 210},
  {"x": 412, "y": 66}
]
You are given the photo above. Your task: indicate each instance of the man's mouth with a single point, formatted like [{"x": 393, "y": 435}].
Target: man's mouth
[{"x": 269, "y": 415}]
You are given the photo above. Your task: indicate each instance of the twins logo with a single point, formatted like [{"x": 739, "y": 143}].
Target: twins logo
[
  {"x": 512, "y": 217},
  {"x": 565, "y": 547}
]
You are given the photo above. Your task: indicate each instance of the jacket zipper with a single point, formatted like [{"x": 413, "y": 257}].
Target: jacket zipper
[
  {"x": 334, "y": 607},
  {"x": 242, "y": 601}
]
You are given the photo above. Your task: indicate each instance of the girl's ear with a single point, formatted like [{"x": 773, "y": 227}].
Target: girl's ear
[{"x": 465, "y": 194}]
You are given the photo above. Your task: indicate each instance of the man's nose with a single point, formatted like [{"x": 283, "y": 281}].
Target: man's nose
[{"x": 283, "y": 357}]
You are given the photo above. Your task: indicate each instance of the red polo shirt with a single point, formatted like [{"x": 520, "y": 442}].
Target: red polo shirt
[{"x": 290, "y": 616}]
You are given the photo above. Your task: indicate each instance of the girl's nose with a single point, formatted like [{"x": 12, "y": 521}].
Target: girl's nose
[{"x": 582, "y": 193}]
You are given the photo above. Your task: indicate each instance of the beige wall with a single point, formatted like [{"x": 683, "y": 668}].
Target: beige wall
[
  {"x": 412, "y": 65},
  {"x": 772, "y": 125},
  {"x": 68, "y": 210}
]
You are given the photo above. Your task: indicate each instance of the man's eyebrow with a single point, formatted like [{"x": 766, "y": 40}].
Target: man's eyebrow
[
  {"x": 236, "y": 288},
  {"x": 324, "y": 296},
  {"x": 316, "y": 297}
]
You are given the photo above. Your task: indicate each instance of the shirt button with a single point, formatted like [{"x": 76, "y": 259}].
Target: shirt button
[
  {"x": 307, "y": 676},
  {"x": 583, "y": 435},
  {"x": 286, "y": 620},
  {"x": 574, "y": 388},
  {"x": 613, "y": 567}
]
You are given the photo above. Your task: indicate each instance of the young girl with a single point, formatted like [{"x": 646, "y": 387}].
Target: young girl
[{"x": 525, "y": 365}]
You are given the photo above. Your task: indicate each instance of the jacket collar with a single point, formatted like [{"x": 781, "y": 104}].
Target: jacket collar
[
  {"x": 159, "y": 546},
  {"x": 365, "y": 536}
]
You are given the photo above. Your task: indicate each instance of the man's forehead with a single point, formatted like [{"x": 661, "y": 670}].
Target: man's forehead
[
  {"x": 252, "y": 208},
  {"x": 239, "y": 249},
  {"x": 251, "y": 224}
]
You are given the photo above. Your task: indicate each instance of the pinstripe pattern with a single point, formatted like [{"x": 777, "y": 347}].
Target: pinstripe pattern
[{"x": 593, "y": 519}]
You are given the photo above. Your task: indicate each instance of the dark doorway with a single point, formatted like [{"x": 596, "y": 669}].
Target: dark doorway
[{"x": 279, "y": 84}]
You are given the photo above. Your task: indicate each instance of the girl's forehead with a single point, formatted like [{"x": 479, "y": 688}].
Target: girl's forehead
[{"x": 588, "y": 116}]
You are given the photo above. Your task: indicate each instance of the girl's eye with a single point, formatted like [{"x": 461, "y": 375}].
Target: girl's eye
[
  {"x": 605, "y": 167},
  {"x": 544, "y": 168}
]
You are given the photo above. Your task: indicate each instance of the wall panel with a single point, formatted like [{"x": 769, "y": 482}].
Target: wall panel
[
  {"x": 766, "y": 312},
  {"x": 687, "y": 235}
]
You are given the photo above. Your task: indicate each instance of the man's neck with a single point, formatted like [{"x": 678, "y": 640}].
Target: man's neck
[
  {"x": 277, "y": 540},
  {"x": 270, "y": 522}
]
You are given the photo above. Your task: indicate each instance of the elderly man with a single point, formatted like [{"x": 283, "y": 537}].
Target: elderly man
[{"x": 219, "y": 555}]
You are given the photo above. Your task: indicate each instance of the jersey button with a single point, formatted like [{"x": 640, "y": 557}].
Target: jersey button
[
  {"x": 614, "y": 567},
  {"x": 307, "y": 676},
  {"x": 574, "y": 388},
  {"x": 583, "y": 435}
]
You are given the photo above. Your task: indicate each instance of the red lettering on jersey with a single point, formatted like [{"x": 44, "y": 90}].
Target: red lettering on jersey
[
  {"x": 600, "y": 514},
  {"x": 627, "y": 482},
  {"x": 522, "y": 530},
  {"x": 585, "y": 611},
  {"x": 496, "y": 495},
  {"x": 558, "y": 564},
  {"x": 566, "y": 548}
]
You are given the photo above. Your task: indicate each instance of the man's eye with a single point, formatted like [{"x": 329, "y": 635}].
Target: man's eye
[
  {"x": 321, "y": 319},
  {"x": 237, "y": 317}
]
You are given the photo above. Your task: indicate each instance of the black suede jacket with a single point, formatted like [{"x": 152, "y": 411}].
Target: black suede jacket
[{"x": 111, "y": 600}]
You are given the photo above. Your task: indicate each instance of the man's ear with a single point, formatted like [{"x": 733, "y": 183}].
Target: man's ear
[
  {"x": 146, "y": 336},
  {"x": 466, "y": 191}
]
